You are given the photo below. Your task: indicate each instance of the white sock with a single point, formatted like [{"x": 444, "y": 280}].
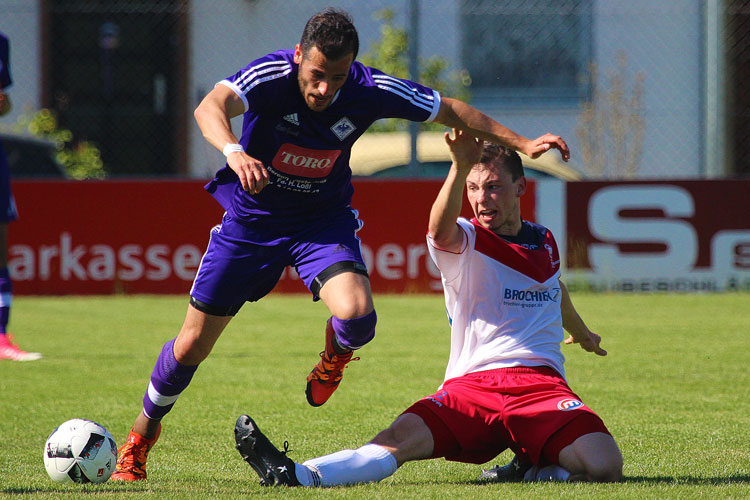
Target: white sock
[
  {"x": 370, "y": 463},
  {"x": 548, "y": 473}
]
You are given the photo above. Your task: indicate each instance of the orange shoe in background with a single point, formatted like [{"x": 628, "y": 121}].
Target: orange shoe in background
[{"x": 9, "y": 350}]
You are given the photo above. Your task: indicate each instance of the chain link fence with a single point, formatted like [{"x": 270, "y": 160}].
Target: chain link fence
[{"x": 639, "y": 89}]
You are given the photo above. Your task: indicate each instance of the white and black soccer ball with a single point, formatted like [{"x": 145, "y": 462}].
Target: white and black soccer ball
[{"x": 80, "y": 451}]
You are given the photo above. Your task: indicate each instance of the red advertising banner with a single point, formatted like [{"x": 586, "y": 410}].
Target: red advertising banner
[
  {"x": 102, "y": 237},
  {"x": 659, "y": 235}
]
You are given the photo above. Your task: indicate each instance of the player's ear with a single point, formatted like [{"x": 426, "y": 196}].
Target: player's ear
[
  {"x": 521, "y": 186},
  {"x": 298, "y": 54}
]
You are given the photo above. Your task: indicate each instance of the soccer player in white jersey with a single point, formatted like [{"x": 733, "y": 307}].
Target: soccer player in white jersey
[
  {"x": 286, "y": 188},
  {"x": 504, "y": 385}
]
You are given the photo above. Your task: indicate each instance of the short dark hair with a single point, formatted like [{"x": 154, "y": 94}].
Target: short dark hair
[
  {"x": 332, "y": 31},
  {"x": 507, "y": 157}
]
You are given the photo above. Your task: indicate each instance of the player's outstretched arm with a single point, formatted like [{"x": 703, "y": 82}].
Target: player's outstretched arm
[
  {"x": 465, "y": 152},
  {"x": 213, "y": 115},
  {"x": 573, "y": 324},
  {"x": 457, "y": 114}
]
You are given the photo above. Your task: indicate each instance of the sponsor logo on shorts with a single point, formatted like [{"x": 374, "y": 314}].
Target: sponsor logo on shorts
[
  {"x": 304, "y": 162},
  {"x": 437, "y": 398},
  {"x": 568, "y": 404}
]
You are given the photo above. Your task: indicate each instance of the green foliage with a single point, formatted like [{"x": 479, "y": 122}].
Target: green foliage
[
  {"x": 390, "y": 54},
  {"x": 81, "y": 159}
]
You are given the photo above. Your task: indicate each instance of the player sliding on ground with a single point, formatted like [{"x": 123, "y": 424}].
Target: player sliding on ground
[
  {"x": 287, "y": 191},
  {"x": 504, "y": 385}
]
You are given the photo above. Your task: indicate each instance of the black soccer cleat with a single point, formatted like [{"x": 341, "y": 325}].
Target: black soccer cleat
[
  {"x": 510, "y": 472},
  {"x": 273, "y": 466}
]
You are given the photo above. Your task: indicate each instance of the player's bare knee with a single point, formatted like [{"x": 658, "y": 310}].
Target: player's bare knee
[
  {"x": 606, "y": 470},
  {"x": 609, "y": 473}
]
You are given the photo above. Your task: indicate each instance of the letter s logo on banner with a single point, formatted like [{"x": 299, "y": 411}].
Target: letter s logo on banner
[
  {"x": 304, "y": 162},
  {"x": 678, "y": 236}
]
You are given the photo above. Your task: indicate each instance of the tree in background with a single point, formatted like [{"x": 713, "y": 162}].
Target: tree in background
[
  {"x": 80, "y": 159},
  {"x": 390, "y": 54},
  {"x": 611, "y": 125}
]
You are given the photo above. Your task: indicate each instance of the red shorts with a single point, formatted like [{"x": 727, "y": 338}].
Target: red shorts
[{"x": 530, "y": 410}]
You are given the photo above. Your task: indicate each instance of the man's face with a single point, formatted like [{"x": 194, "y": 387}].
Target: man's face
[
  {"x": 320, "y": 78},
  {"x": 495, "y": 198}
]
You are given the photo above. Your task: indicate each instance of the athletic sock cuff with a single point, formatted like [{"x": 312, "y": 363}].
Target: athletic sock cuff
[{"x": 384, "y": 457}]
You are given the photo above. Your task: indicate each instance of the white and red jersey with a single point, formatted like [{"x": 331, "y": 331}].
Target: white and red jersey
[{"x": 502, "y": 296}]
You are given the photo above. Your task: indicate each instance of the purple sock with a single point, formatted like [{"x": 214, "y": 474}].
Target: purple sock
[
  {"x": 168, "y": 380},
  {"x": 355, "y": 333},
  {"x": 6, "y": 297}
]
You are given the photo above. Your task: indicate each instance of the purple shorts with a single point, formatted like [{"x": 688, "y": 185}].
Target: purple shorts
[{"x": 234, "y": 270}]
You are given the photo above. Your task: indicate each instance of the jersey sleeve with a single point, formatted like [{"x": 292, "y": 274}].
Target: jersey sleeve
[
  {"x": 246, "y": 83},
  {"x": 449, "y": 263},
  {"x": 406, "y": 99}
]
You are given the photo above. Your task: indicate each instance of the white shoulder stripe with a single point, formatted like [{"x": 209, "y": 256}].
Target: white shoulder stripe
[
  {"x": 398, "y": 87},
  {"x": 427, "y": 107},
  {"x": 255, "y": 75},
  {"x": 413, "y": 96}
]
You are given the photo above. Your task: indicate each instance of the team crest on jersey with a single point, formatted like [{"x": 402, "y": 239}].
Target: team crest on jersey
[
  {"x": 568, "y": 404},
  {"x": 551, "y": 252},
  {"x": 343, "y": 128}
]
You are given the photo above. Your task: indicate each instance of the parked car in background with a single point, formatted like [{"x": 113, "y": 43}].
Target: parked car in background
[
  {"x": 31, "y": 157},
  {"x": 387, "y": 154}
]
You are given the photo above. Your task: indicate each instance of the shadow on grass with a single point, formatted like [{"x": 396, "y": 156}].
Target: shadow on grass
[
  {"x": 713, "y": 481},
  {"x": 700, "y": 481},
  {"x": 84, "y": 490}
]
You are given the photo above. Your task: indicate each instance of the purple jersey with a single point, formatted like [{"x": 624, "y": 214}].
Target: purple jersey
[{"x": 307, "y": 152}]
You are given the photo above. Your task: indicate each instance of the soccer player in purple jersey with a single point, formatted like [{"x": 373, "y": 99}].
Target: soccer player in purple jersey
[
  {"x": 8, "y": 213},
  {"x": 286, "y": 188}
]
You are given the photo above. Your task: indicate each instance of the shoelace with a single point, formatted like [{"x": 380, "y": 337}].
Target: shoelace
[
  {"x": 328, "y": 366},
  {"x": 128, "y": 455}
]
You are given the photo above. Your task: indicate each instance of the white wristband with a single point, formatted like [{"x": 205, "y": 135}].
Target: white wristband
[{"x": 232, "y": 148}]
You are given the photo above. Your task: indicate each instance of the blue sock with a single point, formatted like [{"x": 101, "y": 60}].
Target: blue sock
[
  {"x": 6, "y": 297},
  {"x": 355, "y": 333},
  {"x": 168, "y": 380}
]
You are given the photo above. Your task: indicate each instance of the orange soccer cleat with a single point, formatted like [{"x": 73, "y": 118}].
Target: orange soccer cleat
[
  {"x": 324, "y": 379},
  {"x": 131, "y": 457}
]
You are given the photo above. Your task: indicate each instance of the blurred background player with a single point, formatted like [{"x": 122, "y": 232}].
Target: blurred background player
[
  {"x": 286, "y": 188},
  {"x": 8, "y": 213},
  {"x": 504, "y": 385}
]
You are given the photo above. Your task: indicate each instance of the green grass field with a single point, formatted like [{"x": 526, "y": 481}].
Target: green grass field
[{"x": 673, "y": 391}]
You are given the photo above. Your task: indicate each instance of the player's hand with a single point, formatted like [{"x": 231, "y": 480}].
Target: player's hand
[
  {"x": 251, "y": 172},
  {"x": 591, "y": 344},
  {"x": 465, "y": 149},
  {"x": 542, "y": 144}
]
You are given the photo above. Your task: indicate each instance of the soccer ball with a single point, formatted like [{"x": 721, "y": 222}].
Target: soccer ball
[{"x": 80, "y": 451}]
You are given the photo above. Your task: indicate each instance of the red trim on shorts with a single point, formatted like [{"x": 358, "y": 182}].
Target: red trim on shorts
[
  {"x": 445, "y": 444},
  {"x": 585, "y": 423}
]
